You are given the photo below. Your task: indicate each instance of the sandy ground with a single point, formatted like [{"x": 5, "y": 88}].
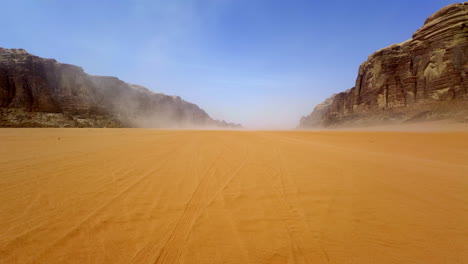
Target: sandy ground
[{"x": 149, "y": 196}]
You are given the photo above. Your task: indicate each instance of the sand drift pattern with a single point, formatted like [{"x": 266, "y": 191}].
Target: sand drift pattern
[{"x": 149, "y": 196}]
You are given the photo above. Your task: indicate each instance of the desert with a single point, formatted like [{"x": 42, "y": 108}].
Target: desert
[
  {"x": 234, "y": 131},
  {"x": 168, "y": 196}
]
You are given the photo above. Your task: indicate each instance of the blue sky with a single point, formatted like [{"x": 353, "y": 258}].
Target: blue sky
[{"x": 262, "y": 63}]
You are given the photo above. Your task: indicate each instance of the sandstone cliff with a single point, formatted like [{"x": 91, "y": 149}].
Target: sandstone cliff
[
  {"x": 423, "y": 78},
  {"x": 38, "y": 92}
]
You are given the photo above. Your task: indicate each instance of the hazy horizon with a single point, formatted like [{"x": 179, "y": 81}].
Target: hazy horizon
[{"x": 263, "y": 64}]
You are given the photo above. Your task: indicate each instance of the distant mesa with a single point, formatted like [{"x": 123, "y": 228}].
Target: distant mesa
[
  {"x": 38, "y": 92},
  {"x": 424, "y": 78}
]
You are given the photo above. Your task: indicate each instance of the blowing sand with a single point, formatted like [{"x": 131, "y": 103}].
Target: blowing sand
[{"x": 149, "y": 196}]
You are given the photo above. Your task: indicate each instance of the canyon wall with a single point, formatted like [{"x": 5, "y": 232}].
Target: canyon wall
[
  {"x": 38, "y": 92},
  {"x": 424, "y": 78}
]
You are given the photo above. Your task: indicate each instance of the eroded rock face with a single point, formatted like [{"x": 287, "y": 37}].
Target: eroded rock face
[
  {"x": 315, "y": 118},
  {"x": 425, "y": 77},
  {"x": 38, "y": 92}
]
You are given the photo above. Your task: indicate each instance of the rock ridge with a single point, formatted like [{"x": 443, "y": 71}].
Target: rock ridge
[
  {"x": 39, "y": 92},
  {"x": 423, "y": 78}
]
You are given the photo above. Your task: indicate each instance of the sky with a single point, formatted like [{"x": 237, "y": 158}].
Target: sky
[{"x": 261, "y": 63}]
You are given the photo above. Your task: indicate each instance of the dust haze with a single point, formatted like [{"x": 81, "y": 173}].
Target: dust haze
[{"x": 157, "y": 180}]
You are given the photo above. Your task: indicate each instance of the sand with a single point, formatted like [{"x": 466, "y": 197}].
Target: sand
[{"x": 152, "y": 196}]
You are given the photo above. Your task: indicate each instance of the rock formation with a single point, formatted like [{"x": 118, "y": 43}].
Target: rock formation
[
  {"x": 423, "y": 78},
  {"x": 38, "y": 92}
]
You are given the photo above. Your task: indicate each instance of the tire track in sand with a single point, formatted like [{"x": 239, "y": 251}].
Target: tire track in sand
[
  {"x": 293, "y": 221},
  {"x": 77, "y": 228},
  {"x": 152, "y": 249},
  {"x": 205, "y": 192}
]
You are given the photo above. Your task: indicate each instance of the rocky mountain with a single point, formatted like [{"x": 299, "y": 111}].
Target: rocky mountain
[
  {"x": 424, "y": 78},
  {"x": 38, "y": 92}
]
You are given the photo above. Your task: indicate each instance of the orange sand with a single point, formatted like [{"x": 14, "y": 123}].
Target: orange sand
[{"x": 150, "y": 196}]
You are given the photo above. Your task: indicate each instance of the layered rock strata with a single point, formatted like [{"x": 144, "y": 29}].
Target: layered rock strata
[
  {"x": 38, "y": 92},
  {"x": 423, "y": 78}
]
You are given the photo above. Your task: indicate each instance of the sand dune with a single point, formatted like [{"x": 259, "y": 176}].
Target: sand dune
[{"x": 149, "y": 196}]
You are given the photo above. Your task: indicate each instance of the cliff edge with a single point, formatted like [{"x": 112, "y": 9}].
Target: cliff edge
[
  {"x": 38, "y": 92},
  {"x": 424, "y": 78}
]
